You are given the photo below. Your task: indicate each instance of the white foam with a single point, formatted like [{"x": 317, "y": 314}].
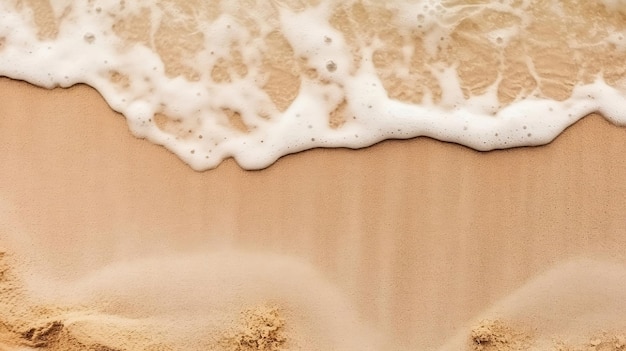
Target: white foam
[{"x": 86, "y": 50}]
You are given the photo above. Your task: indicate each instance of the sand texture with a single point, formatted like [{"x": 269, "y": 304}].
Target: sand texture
[
  {"x": 115, "y": 242},
  {"x": 112, "y": 243}
]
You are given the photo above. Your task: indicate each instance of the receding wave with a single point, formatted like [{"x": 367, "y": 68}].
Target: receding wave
[{"x": 256, "y": 80}]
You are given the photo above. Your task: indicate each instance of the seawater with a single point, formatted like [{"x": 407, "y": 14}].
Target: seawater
[{"x": 256, "y": 80}]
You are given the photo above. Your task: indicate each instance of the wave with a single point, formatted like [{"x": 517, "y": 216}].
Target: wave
[{"x": 256, "y": 80}]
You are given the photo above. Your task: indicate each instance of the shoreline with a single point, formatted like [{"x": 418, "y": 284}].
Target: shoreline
[{"x": 428, "y": 222}]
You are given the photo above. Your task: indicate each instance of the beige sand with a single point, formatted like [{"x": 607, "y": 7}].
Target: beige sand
[
  {"x": 404, "y": 245},
  {"x": 112, "y": 243}
]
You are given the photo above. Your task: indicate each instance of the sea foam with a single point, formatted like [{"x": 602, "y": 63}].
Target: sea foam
[{"x": 256, "y": 80}]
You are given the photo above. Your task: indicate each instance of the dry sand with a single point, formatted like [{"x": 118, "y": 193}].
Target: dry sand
[{"x": 113, "y": 242}]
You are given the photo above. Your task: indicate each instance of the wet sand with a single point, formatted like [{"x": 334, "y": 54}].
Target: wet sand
[{"x": 420, "y": 238}]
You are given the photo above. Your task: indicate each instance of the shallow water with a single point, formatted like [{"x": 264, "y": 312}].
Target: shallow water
[{"x": 256, "y": 80}]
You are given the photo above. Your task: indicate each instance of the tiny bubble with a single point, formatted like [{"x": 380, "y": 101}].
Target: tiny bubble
[
  {"x": 312, "y": 139},
  {"x": 89, "y": 37},
  {"x": 310, "y": 126},
  {"x": 529, "y": 134},
  {"x": 193, "y": 151},
  {"x": 328, "y": 40},
  {"x": 331, "y": 66},
  {"x": 524, "y": 127},
  {"x": 200, "y": 136}
]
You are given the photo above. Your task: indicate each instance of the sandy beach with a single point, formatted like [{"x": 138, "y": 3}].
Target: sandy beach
[
  {"x": 403, "y": 245},
  {"x": 109, "y": 242}
]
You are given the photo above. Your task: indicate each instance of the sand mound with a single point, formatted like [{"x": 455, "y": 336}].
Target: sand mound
[
  {"x": 261, "y": 329},
  {"x": 604, "y": 342},
  {"x": 26, "y": 324},
  {"x": 182, "y": 303},
  {"x": 495, "y": 335}
]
